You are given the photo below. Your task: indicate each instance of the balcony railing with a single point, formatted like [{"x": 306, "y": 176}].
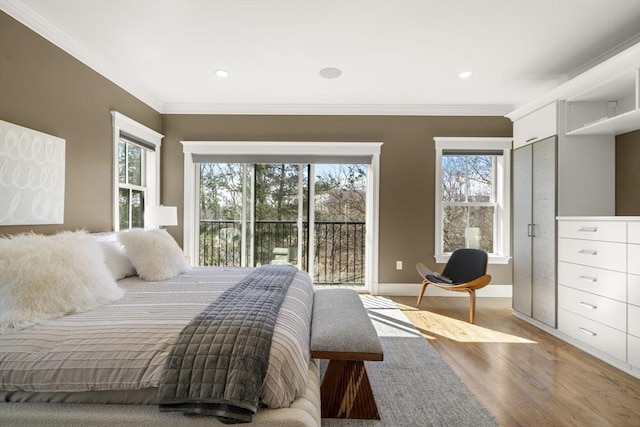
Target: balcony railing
[{"x": 339, "y": 247}]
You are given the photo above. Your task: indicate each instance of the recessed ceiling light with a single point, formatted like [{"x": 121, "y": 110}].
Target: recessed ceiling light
[
  {"x": 465, "y": 74},
  {"x": 222, "y": 73},
  {"x": 330, "y": 73}
]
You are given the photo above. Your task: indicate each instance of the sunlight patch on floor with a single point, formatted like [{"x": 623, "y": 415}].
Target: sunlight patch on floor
[{"x": 433, "y": 326}]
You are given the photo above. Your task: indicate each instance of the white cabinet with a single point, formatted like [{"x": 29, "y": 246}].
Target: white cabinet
[
  {"x": 536, "y": 126},
  {"x": 610, "y": 108},
  {"x": 599, "y": 285}
]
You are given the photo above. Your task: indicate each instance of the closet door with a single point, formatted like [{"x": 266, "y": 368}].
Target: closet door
[
  {"x": 522, "y": 192},
  {"x": 543, "y": 272}
]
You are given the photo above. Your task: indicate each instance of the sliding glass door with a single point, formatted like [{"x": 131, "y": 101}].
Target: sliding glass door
[{"x": 308, "y": 215}]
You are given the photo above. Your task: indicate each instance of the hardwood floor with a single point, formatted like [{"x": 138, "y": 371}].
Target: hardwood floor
[{"x": 524, "y": 376}]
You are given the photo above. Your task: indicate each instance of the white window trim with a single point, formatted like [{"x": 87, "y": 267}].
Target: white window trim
[
  {"x": 503, "y": 193},
  {"x": 191, "y": 178},
  {"x": 152, "y": 161}
]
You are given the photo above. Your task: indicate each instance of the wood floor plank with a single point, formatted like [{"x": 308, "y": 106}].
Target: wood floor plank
[{"x": 524, "y": 376}]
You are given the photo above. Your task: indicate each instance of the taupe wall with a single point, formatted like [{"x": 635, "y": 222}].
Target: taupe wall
[
  {"x": 407, "y": 173},
  {"x": 44, "y": 88},
  {"x": 628, "y": 173}
]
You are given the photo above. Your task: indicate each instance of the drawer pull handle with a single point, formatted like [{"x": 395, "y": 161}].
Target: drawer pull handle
[
  {"x": 586, "y": 304},
  {"x": 592, "y": 279},
  {"x": 531, "y": 139},
  {"x": 588, "y": 332},
  {"x": 588, "y": 252},
  {"x": 589, "y": 229}
]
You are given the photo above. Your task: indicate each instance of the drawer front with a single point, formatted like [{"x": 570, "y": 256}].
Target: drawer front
[
  {"x": 603, "y": 338},
  {"x": 633, "y": 261},
  {"x": 610, "y": 284},
  {"x": 608, "y": 255},
  {"x": 633, "y": 289},
  {"x": 633, "y": 351},
  {"x": 603, "y": 310},
  {"x": 633, "y": 232},
  {"x": 633, "y": 313},
  {"x": 608, "y": 231},
  {"x": 535, "y": 126}
]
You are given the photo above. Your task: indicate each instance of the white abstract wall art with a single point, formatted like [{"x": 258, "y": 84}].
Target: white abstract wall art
[{"x": 31, "y": 176}]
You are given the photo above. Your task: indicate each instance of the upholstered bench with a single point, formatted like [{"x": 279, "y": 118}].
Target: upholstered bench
[{"x": 342, "y": 332}]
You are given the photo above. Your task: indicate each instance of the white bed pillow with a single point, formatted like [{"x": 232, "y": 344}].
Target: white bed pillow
[
  {"x": 117, "y": 260},
  {"x": 154, "y": 253},
  {"x": 44, "y": 277}
]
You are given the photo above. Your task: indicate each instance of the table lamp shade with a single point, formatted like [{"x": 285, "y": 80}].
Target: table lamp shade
[{"x": 157, "y": 216}]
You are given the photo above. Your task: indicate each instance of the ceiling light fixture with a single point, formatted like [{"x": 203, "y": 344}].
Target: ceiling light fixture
[
  {"x": 330, "y": 73},
  {"x": 222, "y": 73},
  {"x": 465, "y": 74}
]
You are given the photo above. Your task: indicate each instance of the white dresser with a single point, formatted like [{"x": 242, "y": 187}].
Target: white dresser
[{"x": 599, "y": 286}]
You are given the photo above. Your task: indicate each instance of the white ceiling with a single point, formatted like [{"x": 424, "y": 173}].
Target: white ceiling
[{"x": 396, "y": 56}]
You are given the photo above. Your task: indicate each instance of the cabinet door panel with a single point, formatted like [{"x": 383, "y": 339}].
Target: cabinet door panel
[
  {"x": 543, "y": 274},
  {"x": 521, "y": 300}
]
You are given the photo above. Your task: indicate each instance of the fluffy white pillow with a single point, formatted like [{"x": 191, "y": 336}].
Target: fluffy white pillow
[
  {"x": 117, "y": 260},
  {"x": 154, "y": 253},
  {"x": 47, "y": 277}
]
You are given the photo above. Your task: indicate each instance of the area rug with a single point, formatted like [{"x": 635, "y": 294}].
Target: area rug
[{"x": 413, "y": 386}]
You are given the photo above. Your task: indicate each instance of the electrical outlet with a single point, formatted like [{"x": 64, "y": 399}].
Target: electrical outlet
[{"x": 398, "y": 265}]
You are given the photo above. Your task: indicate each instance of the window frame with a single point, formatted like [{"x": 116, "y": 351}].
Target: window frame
[
  {"x": 150, "y": 141},
  {"x": 287, "y": 152},
  {"x": 502, "y": 194}
]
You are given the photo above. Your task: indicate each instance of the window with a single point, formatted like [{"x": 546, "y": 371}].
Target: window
[
  {"x": 473, "y": 196},
  {"x": 132, "y": 184},
  {"x": 136, "y": 171}
]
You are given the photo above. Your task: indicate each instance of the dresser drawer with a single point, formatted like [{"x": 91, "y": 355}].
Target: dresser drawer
[
  {"x": 603, "y": 338},
  {"x": 612, "y": 256},
  {"x": 610, "y": 284},
  {"x": 608, "y": 231},
  {"x": 633, "y": 322},
  {"x": 633, "y": 351},
  {"x": 633, "y": 260},
  {"x": 603, "y": 310},
  {"x": 633, "y": 289},
  {"x": 633, "y": 232}
]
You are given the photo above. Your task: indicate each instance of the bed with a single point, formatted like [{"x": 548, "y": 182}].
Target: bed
[{"x": 106, "y": 365}]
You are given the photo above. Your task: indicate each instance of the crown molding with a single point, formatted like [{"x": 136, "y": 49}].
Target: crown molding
[
  {"x": 45, "y": 28},
  {"x": 339, "y": 109}
]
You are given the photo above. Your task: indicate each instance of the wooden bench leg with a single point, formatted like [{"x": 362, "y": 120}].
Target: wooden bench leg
[{"x": 346, "y": 391}]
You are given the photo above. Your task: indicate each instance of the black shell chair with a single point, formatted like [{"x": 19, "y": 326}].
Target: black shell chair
[{"x": 466, "y": 271}]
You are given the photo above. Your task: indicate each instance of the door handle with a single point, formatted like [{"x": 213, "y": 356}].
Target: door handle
[{"x": 531, "y": 230}]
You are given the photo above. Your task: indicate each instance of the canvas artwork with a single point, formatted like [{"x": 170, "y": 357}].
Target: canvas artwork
[{"x": 31, "y": 176}]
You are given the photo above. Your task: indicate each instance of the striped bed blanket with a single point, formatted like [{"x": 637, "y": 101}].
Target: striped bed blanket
[{"x": 117, "y": 352}]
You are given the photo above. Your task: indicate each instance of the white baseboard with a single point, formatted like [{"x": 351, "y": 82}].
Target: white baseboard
[{"x": 412, "y": 289}]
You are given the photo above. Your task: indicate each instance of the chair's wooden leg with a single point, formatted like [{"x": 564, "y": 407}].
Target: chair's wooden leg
[
  {"x": 424, "y": 287},
  {"x": 472, "y": 305}
]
